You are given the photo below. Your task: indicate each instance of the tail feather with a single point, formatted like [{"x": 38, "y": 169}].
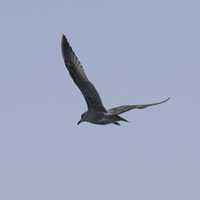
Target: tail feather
[
  {"x": 117, "y": 123},
  {"x": 121, "y": 118}
]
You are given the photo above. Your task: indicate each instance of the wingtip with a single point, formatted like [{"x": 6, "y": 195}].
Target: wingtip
[
  {"x": 64, "y": 43},
  {"x": 167, "y": 99},
  {"x": 63, "y": 36},
  {"x": 64, "y": 39}
]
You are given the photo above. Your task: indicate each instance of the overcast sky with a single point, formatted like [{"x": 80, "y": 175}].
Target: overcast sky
[{"x": 134, "y": 52}]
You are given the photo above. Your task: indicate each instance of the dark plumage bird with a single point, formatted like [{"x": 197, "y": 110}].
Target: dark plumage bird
[{"x": 96, "y": 112}]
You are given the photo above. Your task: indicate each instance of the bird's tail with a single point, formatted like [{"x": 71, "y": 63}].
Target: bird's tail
[{"x": 121, "y": 118}]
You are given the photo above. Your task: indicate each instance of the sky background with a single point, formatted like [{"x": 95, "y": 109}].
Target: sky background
[{"x": 134, "y": 52}]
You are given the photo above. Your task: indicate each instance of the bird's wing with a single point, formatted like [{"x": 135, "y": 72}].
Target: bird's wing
[
  {"x": 79, "y": 77},
  {"x": 121, "y": 109}
]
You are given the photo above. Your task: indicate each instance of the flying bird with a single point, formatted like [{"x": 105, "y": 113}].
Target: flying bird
[{"x": 96, "y": 113}]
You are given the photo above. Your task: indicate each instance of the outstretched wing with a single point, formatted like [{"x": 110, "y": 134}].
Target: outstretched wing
[
  {"x": 79, "y": 77},
  {"x": 121, "y": 109}
]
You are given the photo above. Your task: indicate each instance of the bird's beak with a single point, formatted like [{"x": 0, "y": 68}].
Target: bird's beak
[{"x": 79, "y": 122}]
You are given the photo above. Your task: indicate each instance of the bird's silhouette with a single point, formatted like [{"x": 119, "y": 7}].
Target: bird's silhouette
[{"x": 96, "y": 112}]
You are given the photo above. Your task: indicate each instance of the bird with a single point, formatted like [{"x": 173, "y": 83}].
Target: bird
[{"x": 96, "y": 112}]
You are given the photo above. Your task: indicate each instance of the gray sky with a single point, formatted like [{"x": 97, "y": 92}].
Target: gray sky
[{"x": 134, "y": 52}]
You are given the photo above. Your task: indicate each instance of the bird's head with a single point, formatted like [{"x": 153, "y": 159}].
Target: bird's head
[{"x": 83, "y": 118}]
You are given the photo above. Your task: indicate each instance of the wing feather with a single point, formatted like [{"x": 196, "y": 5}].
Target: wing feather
[
  {"x": 121, "y": 109},
  {"x": 78, "y": 75}
]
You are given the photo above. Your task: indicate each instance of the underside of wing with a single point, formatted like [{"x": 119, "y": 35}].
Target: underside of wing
[
  {"x": 78, "y": 75},
  {"x": 121, "y": 109}
]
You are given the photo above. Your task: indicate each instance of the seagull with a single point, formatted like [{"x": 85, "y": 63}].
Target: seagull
[{"x": 96, "y": 113}]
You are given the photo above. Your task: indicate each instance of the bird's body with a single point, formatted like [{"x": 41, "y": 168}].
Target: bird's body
[
  {"x": 98, "y": 117},
  {"x": 102, "y": 118},
  {"x": 96, "y": 113}
]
